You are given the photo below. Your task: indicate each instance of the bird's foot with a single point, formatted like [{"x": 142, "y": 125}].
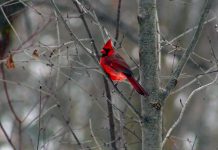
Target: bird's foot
[{"x": 116, "y": 84}]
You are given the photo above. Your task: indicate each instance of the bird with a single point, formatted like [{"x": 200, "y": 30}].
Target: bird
[{"x": 116, "y": 67}]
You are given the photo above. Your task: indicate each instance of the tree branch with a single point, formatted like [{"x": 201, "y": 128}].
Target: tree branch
[
  {"x": 7, "y": 137},
  {"x": 107, "y": 88},
  {"x": 177, "y": 122},
  {"x": 118, "y": 20},
  {"x": 91, "y": 54},
  {"x": 148, "y": 55},
  {"x": 174, "y": 77}
]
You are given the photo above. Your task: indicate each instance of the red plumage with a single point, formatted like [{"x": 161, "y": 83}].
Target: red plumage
[{"x": 116, "y": 67}]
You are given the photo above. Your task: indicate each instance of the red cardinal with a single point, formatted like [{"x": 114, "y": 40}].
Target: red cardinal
[{"x": 116, "y": 67}]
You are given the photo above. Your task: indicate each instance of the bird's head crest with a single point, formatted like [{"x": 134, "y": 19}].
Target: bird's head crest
[{"x": 108, "y": 48}]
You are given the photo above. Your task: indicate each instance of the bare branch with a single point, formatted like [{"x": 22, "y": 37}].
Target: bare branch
[
  {"x": 194, "y": 80},
  {"x": 40, "y": 112},
  {"x": 190, "y": 30},
  {"x": 91, "y": 54},
  {"x": 7, "y": 137},
  {"x": 118, "y": 20},
  {"x": 93, "y": 135},
  {"x": 172, "y": 82},
  {"x": 15, "y": 32},
  {"x": 107, "y": 88},
  {"x": 177, "y": 122}
]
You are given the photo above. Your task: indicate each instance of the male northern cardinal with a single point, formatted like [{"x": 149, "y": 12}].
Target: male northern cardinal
[{"x": 116, "y": 67}]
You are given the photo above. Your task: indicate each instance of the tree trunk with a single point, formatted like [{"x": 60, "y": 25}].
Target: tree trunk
[{"x": 148, "y": 45}]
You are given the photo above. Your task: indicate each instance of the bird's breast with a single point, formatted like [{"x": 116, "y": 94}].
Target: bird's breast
[{"x": 114, "y": 75}]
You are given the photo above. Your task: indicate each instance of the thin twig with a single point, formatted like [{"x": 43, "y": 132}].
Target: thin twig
[
  {"x": 39, "y": 30},
  {"x": 91, "y": 54},
  {"x": 15, "y": 32},
  {"x": 184, "y": 108},
  {"x": 158, "y": 39},
  {"x": 110, "y": 115},
  {"x": 40, "y": 112},
  {"x": 193, "y": 146},
  {"x": 198, "y": 76},
  {"x": 59, "y": 51},
  {"x": 7, "y": 137},
  {"x": 70, "y": 128},
  {"x": 133, "y": 133},
  {"x": 93, "y": 135},
  {"x": 190, "y": 30},
  {"x": 72, "y": 35},
  {"x": 201, "y": 69},
  {"x": 87, "y": 28},
  {"x": 212, "y": 50},
  {"x": 24, "y": 85},
  {"x": 20, "y": 140},
  {"x": 7, "y": 95},
  {"x": 37, "y": 118},
  {"x": 121, "y": 130},
  {"x": 185, "y": 33},
  {"x": 172, "y": 82},
  {"x": 118, "y": 21},
  {"x": 107, "y": 88},
  {"x": 12, "y": 108}
]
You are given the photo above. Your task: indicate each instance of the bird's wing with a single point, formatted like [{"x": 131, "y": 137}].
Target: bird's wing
[{"x": 118, "y": 64}]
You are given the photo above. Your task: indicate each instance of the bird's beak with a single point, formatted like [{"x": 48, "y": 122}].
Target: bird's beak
[{"x": 102, "y": 52}]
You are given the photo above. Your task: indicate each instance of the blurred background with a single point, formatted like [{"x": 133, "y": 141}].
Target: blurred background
[{"x": 52, "y": 93}]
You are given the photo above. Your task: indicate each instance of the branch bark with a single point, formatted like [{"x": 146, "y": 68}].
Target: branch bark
[
  {"x": 148, "y": 46},
  {"x": 152, "y": 123}
]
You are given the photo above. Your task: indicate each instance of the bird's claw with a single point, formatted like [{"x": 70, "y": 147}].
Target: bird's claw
[{"x": 116, "y": 84}]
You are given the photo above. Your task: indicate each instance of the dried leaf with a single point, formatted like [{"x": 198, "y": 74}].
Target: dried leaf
[
  {"x": 10, "y": 62},
  {"x": 35, "y": 54}
]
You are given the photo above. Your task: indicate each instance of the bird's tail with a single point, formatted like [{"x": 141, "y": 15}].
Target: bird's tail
[{"x": 137, "y": 86}]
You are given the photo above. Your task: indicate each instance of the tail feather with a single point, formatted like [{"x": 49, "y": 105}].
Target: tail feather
[{"x": 137, "y": 86}]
